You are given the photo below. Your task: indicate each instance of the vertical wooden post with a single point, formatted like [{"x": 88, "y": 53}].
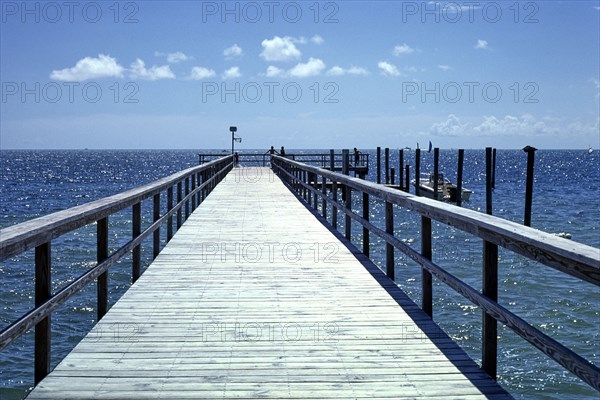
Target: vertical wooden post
[
  {"x": 43, "y": 291},
  {"x": 156, "y": 234},
  {"x": 489, "y": 345},
  {"x": 494, "y": 168},
  {"x": 179, "y": 198},
  {"x": 348, "y": 223},
  {"x": 459, "y": 177},
  {"x": 102, "y": 254},
  {"x": 308, "y": 182},
  {"x": 389, "y": 249},
  {"x": 365, "y": 215},
  {"x": 417, "y": 171},
  {"x": 345, "y": 162},
  {"x": 187, "y": 202},
  {"x": 426, "y": 281},
  {"x": 331, "y": 159},
  {"x": 323, "y": 201},
  {"x": 393, "y": 175},
  {"x": 194, "y": 196},
  {"x": 400, "y": 169},
  {"x": 199, "y": 183},
  {"x": 315, "y": 195},
  {"x": 169, "y": 208},
  {"x": 436, "y": 172},
  {"x": 378, "y": 164},
  {"x": 407, "y": 179},
  {"x": 136, "y": 230},
  {"x": 488, "y": 180},
  {"x": 529, "y": 184},
  {"x": 387, "y": 165},
  {"x": 334, "y": 210}
]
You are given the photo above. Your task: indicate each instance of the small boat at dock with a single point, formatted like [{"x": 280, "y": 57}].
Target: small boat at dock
[{"x": 447, "y": 191}]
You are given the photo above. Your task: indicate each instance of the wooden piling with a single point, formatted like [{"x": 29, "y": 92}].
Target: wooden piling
[
  {"x": 436, "y": 173},
  {"x": 529, "y": 184},
  {"x": 407, "y": 179},
  {"x": 488, "y": 180},
  {"x": 417, "y": 171},
  {"x": 387, "y": 165},
  {"x": 400, "y": 169},
  {"x": 393, "y": 175},
  {"x": 459, "y": 177},
  {"x": 378, "y": 164}
]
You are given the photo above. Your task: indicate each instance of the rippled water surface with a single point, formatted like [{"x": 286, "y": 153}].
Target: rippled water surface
[{"x": 566, "y": 199}]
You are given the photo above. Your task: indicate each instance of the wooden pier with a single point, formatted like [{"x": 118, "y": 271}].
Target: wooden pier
[
  {"x": 254, "y": 300},
  {"x": 257, "y": 295}
]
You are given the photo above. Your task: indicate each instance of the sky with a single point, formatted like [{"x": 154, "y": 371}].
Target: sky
[{"x": 303, "y": 74}]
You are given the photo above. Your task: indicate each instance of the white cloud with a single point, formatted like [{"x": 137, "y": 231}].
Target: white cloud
[
  {"x": 596, "y": 83},
  {"x": 232, "y": 73},
  {"x": 597, "y": 8},
  {"x": 451, "y": 127},
  {"x": 199, "y": 73},
  {"x": 233, "y": 51},
  {"x": 526, "y": 124},
  {"x": 388, "y": 69},
  {"x": 313, "y": 67},
  {"x": 317, "y": 39},
  {"x": 444, "y": 67},
  {"x": 173, "y": 58},
  {"x": 339, "y": 71},
  {"x": 139, "y": 71},
  {"x": 273, "y": 72},
  {"x": 482, "y": 44},
  {"x": 280, "y": 49},
  {"x": 90, "y": 68},
  {"x": 402, "y": 49}
]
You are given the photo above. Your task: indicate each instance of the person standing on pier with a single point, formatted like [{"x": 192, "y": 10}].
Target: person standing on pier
[
  {"x": 356, "y": 156},
  {"x": 282, "y": 152},
  {"x": 236, "y": 159}
]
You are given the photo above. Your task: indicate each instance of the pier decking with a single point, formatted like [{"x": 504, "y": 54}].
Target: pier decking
[{"x": 255, "y": 298}]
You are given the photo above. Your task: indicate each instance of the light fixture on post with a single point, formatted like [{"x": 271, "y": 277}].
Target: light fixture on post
[{"x": 234, "y": 139}]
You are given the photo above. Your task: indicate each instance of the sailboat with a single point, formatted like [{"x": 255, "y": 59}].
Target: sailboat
[
  {"x": 590, "y": 150},
  {"x": 430, "y": 147}
]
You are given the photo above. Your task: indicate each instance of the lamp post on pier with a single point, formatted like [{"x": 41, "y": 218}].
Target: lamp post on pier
[{"x": 234, "y": 139}]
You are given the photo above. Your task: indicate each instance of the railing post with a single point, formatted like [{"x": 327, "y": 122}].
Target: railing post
[
  {"x": 136, "y": 230},
  {"x": 426, "y": 281},
  {"x": 348, "y": 224},
  {"x": 389, "y": 248},
  {"x": 334, "y": 210},
  {"x": 156, "y": 234},
  {"x": 198, "y": 184},
  {"x": 169, "y": 208},
  {"x": 43, "y": 334},
  {"x": 393, "y": 175},
  {"x": 529, "y": 184},
  {"x": 179, "y": 198},
  {"x": 315, "y": 197},
  {"x": 324, "y": 201},
  {"x": 489, "y": 345},
  {"x": 187, "y": 202},
  {"x": 308, "y": 192},
  {"x": 193, "y": 200},
  {"x": 365, "y": 215},
  {"x": 102, "y": 254}
]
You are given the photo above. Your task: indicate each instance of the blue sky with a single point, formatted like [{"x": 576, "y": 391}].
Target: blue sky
[{"x": 154, "y": 74}]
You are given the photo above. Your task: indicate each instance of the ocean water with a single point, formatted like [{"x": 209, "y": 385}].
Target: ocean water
[{"x": 566, "y": 199}]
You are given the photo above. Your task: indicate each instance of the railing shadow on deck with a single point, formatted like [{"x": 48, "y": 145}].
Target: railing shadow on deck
[
  {"x": 575, "y": 259},
  {"x": 190, "y": 186}
]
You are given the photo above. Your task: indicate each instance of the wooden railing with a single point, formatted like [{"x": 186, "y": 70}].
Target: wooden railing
[
  {"x": 572, "y": 258},
  {"x": 190, "y": 187}
]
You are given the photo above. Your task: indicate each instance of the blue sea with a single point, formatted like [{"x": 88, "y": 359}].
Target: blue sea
[{"x": 566, "y": 200}]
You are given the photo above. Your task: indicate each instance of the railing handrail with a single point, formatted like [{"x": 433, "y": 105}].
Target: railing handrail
[
  {"x": 24, "y": 236},
  {"x": 549, "y": 249},
  {"x": 573, "y": 258}
]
